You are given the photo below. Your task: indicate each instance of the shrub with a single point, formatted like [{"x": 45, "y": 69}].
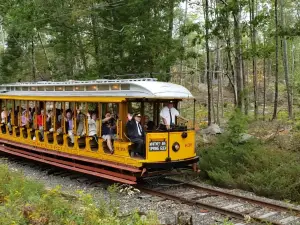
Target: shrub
[
  {"x": 27, "y": 202},
  {"x": 251, "y": 165}
]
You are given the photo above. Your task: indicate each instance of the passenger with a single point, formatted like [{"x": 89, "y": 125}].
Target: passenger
[
  {"x": 59, "y": 114},
  {"x": 9, "y": 120},
  {"x": 40, "y": 123},
  {"x": 49, "y": 121},
  {"x": 24, "y": 119},
  {"x": 69, "y": 126},
  {"x": 148, "y": 124},
  {"x": 129, "y": 117},
  {"x": 168, "y": 114},
  {"x": 137, "y": 135},
  {"x": 30, "y": 117},
  {"x": 80, "y": 120},
  {"x": 3, "y": 115},
  {"x": 3, "y": 120},
  {"x": 92, "y": 122},
  {"x": 108, "y": 128}
]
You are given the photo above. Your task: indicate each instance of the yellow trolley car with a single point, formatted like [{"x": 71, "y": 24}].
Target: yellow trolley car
[{"x": 34, "y": 125}]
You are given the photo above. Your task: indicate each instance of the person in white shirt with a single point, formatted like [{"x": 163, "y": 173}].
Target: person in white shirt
[
  {"x": 3, "y": 115},
  {"x": 168, "y": 115},
  {"x": 92, "y": 125},
  {"x": 3, "y": 120}
]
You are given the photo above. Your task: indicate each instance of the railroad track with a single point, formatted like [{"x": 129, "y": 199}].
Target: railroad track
[{"x": 242, "y": 208}]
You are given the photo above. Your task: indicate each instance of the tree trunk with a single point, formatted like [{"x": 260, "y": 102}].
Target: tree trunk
[
  {"x": 265, "y": 88},
  {"x": 276, "y": 62},
  {"x": 237, "y": 47},
  {"x": 253, "y": 43},
  {"x": 82, "y": 52},
  {"x": 232, "y": 78},
  {"x": 246, "y": 82},
  {"x": 285, "y": 64},
  {"x": 217, "y": 75},
  {"x": 293, "y": 75},
  {"x": 208, "y": 77},
  {"x": 46, "y": 56},
  {"x": 33, "y": 59},
  {"x": 170, "y": 34},
  {"x": 182, "y": 43},
  {"x": 221, "y": 74},
  {"x": 96, "y": 42}
]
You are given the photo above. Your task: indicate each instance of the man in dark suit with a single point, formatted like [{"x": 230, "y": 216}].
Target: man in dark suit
[{"x": 136, "y": 134}]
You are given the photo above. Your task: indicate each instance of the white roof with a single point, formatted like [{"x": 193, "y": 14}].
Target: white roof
[{"x": 139, "y": 88}]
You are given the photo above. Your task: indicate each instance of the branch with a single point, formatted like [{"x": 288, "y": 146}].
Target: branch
[{"x": 224, "y": 2}]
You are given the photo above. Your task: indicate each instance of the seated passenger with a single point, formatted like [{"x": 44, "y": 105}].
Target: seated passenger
[
  {"x": 80, "y": 121},
  {"x": 59, "y": 113},
  {"x": 49, "y": 121},
  {"x": 136, "y": 134},
  {"x": 148, "y": 125},
  {"x": 30, "y": 117},
  {"x": 3, "y": 115},
  {"x": 40, "y": 123},
  {"x": 168, "y": 114},
  {"x": 9, "y": 120},
  {"x": 69, "y": 126},
  {"x": 24, "y": 119},
  {"x": 129, "y": 116},
  {"x": 108, "y": 130},
  {"x": 3, "y": 119},
  {"x": 92, "y": 122}
]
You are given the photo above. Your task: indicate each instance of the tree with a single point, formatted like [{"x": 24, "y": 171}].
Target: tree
[{"x": 276, "y": 61}]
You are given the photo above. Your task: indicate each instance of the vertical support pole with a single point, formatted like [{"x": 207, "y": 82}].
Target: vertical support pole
[
  {"x": 63, "y": 116},
  {"x": 19, "y": 113},
  {"x": 194, "y": 116},
  {"x": 54, "y": 116},
  {"x": 27, "y": 114},
  {"x": 143, "y": 111},
  {"x": 75, "y": 118},
  {"x": 12, "y": 118},
  {"x": 43, "y": 116},
  {"x": 100, "y": 119},
  {"x": 86, "y": 120},
  {"x": 35, "y": 115},
  {"x": 6, "y": 113}
]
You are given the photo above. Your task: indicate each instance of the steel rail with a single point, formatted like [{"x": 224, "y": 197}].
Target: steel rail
[
  {"x": 228, "y": 212},
  {"x": 236, "y": 196}
]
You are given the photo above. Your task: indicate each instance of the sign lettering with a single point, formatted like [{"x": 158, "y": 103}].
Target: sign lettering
[
  {"x": 156, "y": 146},
  {"x": 188, "y": 145}
]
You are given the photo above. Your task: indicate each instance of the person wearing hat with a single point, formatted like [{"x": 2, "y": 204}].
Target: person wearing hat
[
  {"x": 168, "y": 115},
  {"x": 136, "y": 134}
]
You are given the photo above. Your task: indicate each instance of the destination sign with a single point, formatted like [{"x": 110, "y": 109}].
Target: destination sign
[{"x": 155, "y": 146}]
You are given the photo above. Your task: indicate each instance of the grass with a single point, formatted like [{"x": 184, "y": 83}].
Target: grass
[{"x": 23, "y": 201}]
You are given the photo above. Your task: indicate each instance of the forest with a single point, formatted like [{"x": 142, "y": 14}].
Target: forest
[
  {"x": 234, "y": 55},
  {"x": 248, "y": 49}
]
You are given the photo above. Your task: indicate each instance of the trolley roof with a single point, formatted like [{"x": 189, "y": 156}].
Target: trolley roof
[{"x": 128, "y": 88}]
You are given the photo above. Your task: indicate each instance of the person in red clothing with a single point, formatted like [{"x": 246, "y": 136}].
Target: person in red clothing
[{"x": 40, "y": 123}]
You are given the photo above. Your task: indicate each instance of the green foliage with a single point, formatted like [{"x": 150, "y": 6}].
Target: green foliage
[
  {"x": 237, "y": 125},
  {"x": 87, "y": 40},
  {"x": 27, "y": 202},
  {"x": 252, "y": 165}
]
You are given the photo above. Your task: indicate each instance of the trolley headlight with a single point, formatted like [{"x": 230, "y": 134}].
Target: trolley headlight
[
  {"x": 184, "y": 135},
  {"x": 176, "y": 147}
]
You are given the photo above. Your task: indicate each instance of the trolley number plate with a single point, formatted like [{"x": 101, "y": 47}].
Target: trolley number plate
[{"x": 155, "y": 146}]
